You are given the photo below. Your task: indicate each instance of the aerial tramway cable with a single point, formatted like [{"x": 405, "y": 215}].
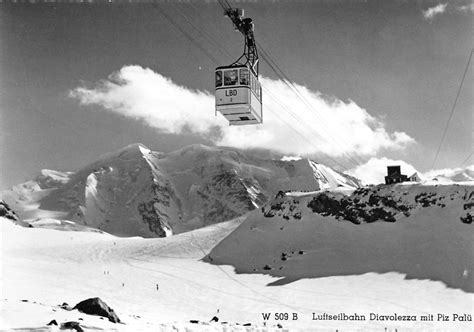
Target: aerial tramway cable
[
  {"x": 299, "y": 120},
  {"x": 452, "y": 110},
  {"x": 302, "y": 124},
  {"x": 267, "y": 91},
  {"x": 467, "y": 158},
  {"x": 205, "y": 34},
  {"x": 272, "y": 64},
  {"x": 187, "y": 35},
  {"x": 282, "y": 76}
]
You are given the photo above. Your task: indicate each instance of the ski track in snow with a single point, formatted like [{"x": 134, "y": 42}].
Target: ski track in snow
[{"x": 50, "y": 267}]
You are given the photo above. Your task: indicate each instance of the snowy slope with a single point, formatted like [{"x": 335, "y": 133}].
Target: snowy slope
[
  {"x": 139, "y": 192},
  {"x": 42, "y": 268},
  {"x": 422, "y": 231},
  {"x": 329, "y": 178},
  {"x": 457, "y": 174},
  {"x": 118, "y": 194}
]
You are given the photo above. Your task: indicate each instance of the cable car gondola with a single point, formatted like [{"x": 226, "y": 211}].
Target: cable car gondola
[
  {"x": 238, "y": 95},
  {"x": 238, "y": 91}
]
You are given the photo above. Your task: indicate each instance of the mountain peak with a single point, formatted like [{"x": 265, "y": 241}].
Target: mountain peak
[
  {"x": 197, "y": 147},
  {"x": 129, "y": 152},
  {"x": 136, "y": 147},
  {"x": 136, "y": 192}
]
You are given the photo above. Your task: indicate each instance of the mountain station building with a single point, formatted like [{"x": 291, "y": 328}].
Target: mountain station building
[{"x": 394, "y": 175}]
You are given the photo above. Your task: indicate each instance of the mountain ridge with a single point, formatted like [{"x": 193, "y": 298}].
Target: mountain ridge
[
  {"x": 135, "y": 191},
  {"x": 423, "y": 231}
]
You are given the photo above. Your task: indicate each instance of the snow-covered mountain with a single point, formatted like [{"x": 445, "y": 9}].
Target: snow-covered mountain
[
  {"x": 44, "y": 270},
  {"x": 314, "y": 234},
  {"x": 423, "y": 231},
  {"x": 456, "y": 175},
  {"x": 7, "y": 212},
  {"x": 139, "y": 192}
]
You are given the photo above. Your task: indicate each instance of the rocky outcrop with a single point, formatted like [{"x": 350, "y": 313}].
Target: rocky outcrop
[
  {"x": 154, "y": 218},
  {"x": 227, "y": 195},
  {"x": 7, "y": 212},
  {"x": 95, "y": 306},
  {"x": 344, "y": 233},
  {"x": 467, "y": 218},
  {"x": 351, "y": 209},
  {"x": 71, "y": 325},
  {"x": 65, "y": 306},
  {"x": 371, "y": 204},
  {"x": 282, "y": 206}
]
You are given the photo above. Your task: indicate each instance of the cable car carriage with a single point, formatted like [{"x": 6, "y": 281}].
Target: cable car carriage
[
  {"x": 238, "y": 91},
  {"x": 238, "y": 95}
]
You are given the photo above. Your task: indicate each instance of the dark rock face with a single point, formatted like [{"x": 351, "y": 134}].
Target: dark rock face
[
  {"x": 467, "y": 219},
  {"x": 282, "y": 206},
  {"x": 6, "y": 211},
  {"x": 369, "y": 204},
  {"x": 95, "y": 306},
  {"x": 71, "y": 326},
  {"x": 225, "y": 196},
  {"x": 353, "y": 210},
  {"x": 152, "y": 211},
  {"x": 326, "y": 204},
  {"x": 426, "y": 199},
  {"x": 153, "y": 218},
  {"x": 66, "y": 306}
]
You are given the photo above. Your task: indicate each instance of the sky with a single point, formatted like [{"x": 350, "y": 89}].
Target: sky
[{"x": 369, "y": 80}]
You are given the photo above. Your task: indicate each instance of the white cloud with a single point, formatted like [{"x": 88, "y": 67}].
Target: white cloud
[
  {"x": 333, "y": 127},
  {"x": 466, "y": 8},
  {"x": 375, "y": 169},
  {"x": 430, "y": 13},
  {"x": 142, "y": 94},
  {"x": 455, "y": 174}
]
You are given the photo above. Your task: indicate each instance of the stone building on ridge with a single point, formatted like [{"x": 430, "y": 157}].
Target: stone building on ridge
[{"x": 394, "y": 175}]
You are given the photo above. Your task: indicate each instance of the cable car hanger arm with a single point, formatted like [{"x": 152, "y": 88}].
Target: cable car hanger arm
[{"x": 244, "y": 26}]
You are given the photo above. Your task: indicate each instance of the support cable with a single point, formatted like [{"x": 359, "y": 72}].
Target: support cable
[
  {"x": 452, "y": 110},
  {"x": 281, "y": 75}
]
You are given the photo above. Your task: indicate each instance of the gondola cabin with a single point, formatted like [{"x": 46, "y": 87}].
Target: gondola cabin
[{"x": 238, "y": 95}]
